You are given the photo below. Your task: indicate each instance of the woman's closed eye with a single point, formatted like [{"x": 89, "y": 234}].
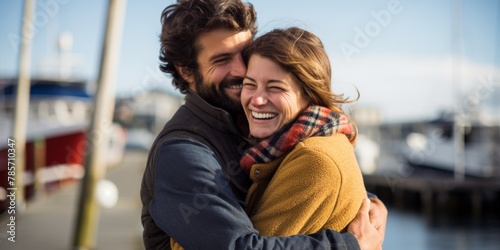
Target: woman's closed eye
[
  {"x": 249, "y": 85},
  {"x": 275, "y": 89}
]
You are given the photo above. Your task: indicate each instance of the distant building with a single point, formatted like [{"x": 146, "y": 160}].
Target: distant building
[
  {"x": 150, "y": 110},
  {"x": 145, "y": 115}
]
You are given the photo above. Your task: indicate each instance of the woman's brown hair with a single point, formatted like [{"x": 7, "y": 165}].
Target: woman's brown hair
[{"x": 301, "y": 53}]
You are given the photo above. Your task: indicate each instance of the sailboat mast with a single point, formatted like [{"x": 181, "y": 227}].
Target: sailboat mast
[
  {"x": 458, "y": 123},
  {"x": 22, "y": 103}
]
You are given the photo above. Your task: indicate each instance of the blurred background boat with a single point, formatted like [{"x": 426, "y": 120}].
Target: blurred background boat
[
  {"x": 433, "y": 143},
  {"x": 56, "y": 139}
]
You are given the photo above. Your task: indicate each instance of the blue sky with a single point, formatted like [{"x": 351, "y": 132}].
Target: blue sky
[{"x": 398, "y": 53}]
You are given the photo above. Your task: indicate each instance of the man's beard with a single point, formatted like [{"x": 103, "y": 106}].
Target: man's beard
[{"x": 218, "y": 97}]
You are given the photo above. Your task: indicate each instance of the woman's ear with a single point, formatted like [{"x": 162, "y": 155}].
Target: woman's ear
[{"x": 186, "y": 74}]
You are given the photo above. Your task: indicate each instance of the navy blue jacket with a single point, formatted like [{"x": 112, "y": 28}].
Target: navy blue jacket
[{"x": 193, "y": 189}]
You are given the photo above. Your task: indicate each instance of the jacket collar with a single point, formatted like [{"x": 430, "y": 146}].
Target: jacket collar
[{"x": 216, "y": 117}]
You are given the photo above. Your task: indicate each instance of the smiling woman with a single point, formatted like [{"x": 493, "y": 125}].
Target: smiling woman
[
  {"x": 305, "y": 175},
  {"x": 271, "y": 97}
]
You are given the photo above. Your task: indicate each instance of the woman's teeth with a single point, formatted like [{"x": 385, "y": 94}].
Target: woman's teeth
[{"x": 263, "y": 115}]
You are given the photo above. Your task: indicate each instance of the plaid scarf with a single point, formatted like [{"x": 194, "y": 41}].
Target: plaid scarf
[{"x": 314, "y": 121}]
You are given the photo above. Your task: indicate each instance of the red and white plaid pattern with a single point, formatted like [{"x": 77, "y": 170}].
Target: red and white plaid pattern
[{"x": 314, "y": 121}]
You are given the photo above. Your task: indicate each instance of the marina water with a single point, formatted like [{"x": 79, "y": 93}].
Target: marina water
[{"x": 408, "y": 230}]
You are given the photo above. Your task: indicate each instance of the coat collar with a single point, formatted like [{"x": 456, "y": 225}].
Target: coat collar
[{"x": 218, "y": 118}]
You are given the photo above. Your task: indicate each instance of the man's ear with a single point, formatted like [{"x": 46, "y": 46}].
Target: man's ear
[{"x": 186, "y": 74}]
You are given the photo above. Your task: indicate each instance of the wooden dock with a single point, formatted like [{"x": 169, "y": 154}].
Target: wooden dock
[{"x": 436, "y": 193}]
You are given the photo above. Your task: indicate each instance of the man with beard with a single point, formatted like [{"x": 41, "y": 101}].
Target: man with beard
[{"x": 193, "y": 189}]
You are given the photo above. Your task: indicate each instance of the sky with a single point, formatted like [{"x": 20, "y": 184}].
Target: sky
[{"x": 409, "y": 59}]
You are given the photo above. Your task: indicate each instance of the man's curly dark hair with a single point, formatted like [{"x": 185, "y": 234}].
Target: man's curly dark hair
[{"x": 184, "y": 21}]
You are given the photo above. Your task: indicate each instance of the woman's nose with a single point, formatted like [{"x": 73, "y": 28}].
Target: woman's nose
[{"x": 259, "y": 98}]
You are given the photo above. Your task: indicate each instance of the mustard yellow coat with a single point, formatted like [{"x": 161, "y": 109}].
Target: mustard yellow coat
[{"x": 318, "y": 185}]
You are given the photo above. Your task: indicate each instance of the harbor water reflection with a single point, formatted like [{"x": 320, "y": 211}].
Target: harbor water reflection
[{"x": 413, "y": 231}]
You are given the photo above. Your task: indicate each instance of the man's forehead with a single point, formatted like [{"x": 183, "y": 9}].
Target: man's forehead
[{"x": 222, "y": 41}]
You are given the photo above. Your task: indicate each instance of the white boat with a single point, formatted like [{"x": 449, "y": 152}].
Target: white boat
[{"x": 432, "y": 144}]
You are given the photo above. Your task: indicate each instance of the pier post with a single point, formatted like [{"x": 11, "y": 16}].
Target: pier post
[
  {"x": 98, "y": 134},
  {"x": 476, "y": 203},
  {"x": 426, "y": 196}
]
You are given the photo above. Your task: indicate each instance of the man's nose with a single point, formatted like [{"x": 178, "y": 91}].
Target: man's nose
[{"x": 238, "y": 67}]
